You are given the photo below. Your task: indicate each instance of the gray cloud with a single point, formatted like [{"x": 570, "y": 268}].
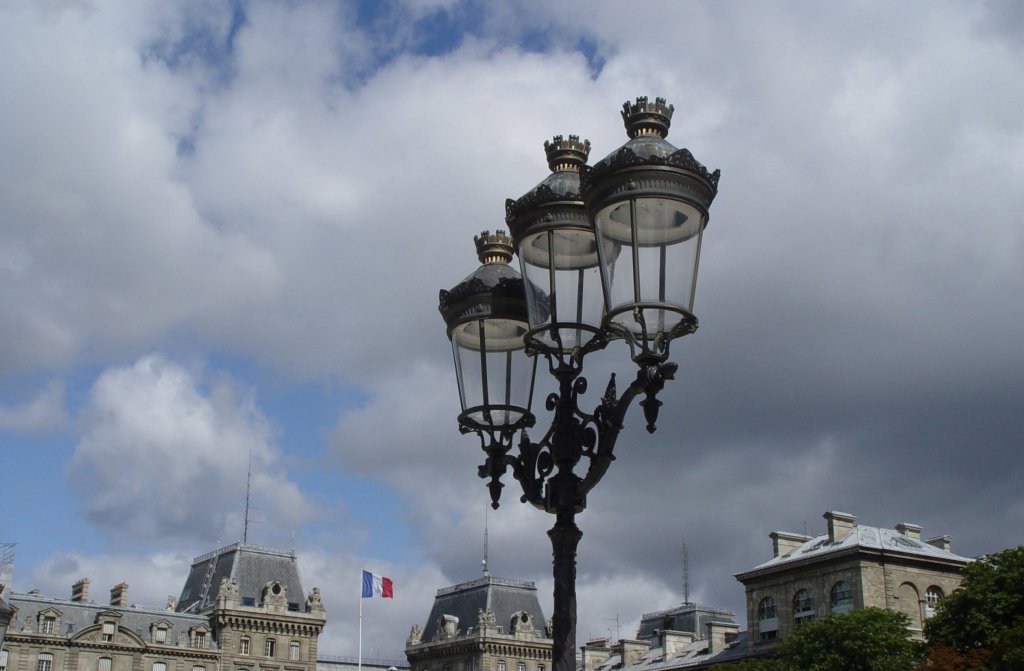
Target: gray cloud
[{"x": 858, "y": 292}]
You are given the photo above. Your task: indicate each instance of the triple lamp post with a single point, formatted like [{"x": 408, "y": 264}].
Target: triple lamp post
[{"x": 607, "y": 252}]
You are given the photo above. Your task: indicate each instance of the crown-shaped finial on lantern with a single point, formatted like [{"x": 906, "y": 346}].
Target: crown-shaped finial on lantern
[
  {"x": 493, "y": 247},
  {"x": 646, "y": 118},
  {"x": 566, "y": 154}
]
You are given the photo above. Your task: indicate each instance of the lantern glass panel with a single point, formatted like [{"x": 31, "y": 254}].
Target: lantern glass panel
[
  {"x": 657, "y": 268},
  {"x": 564, "y": 280},
  {"x": 495, "y": 376}
]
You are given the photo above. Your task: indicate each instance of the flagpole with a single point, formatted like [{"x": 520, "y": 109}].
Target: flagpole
[{"x": 360, "y": 628}]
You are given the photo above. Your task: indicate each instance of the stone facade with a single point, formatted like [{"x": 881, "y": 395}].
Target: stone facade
[
  {"x": 488, "y": 624},
  {"x": 851, "y": 566},
  {"x": 241, "y": 626}
]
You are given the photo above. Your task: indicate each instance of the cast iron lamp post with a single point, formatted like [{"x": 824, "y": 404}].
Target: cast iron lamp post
[{"x": 607, "y": 252}]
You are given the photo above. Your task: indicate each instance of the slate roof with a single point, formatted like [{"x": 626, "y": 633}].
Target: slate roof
[
  {"x": 501, "y": 596},
  {"x": 691, "y": 655},
  {"x": 688, "y": 617},
  {"x": 77, "y": 615},
  {"x": 872, "y": 538},
  {"x": 253, "y": 566}
]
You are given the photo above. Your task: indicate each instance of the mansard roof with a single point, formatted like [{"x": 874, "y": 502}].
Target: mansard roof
[
  {"x": 76, "y": 616},
  {"x": 252, "y": 566},
  {"x": 501, "y": 596}
]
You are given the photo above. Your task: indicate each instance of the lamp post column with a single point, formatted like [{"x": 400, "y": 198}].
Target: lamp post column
[{"x": 565, "y": 536}]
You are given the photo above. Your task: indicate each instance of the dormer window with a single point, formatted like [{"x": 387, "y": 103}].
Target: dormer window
[
  {"x": 200, "y": 639},
  {"x": 48, "y": 621},
  {"x": 108, "y": 632}
]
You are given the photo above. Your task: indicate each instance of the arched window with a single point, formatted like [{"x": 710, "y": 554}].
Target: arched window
[
  {"x": 243, "y": 645},
  {"x": 293, "y": 650},
  {"x": 803, "y": 607},
  {"x": 501, "y": 665},
  {"x": 932, "y": 597},
  {"x": 767, "y": 619},
  {"x": 44, "y": 662},
  {"x": 159, "y": 666},
  {"x": 104, "y": 664},
  {"x": 841, "y": 597},
  {"x": 269, "y": 647}
]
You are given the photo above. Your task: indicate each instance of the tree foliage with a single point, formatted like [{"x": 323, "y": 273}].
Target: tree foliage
[
  {"x": 868, "y": 639},
  {"x": 987, "y": 613}
]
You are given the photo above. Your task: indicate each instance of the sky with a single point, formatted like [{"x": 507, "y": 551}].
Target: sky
[{"x": 224, "y": 226}]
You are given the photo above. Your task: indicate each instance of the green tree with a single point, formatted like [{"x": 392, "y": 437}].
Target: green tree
[
  {"x": 868, "y": 639},
  {"x": 987, "y": 613}
]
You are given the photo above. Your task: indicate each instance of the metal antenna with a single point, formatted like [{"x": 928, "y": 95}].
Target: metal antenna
[
  {"x": 484, "y": 562},
  {"x": 248, "y": 500},
  {"x": 686, "y": 573}
]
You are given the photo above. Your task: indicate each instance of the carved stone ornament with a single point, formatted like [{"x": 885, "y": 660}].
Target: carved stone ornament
[
  {"x": 415, "y": 635},
  {"x": 314, "y": 602}
]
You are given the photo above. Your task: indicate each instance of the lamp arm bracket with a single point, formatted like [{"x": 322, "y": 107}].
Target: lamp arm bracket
[{"x": 609, "y": 415}]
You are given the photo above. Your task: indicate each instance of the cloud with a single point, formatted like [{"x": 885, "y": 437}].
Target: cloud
[
  {"x": 164, "y": 455},
  {"x": 292, "y": 187},
  {"x": 43, "y": 413}
]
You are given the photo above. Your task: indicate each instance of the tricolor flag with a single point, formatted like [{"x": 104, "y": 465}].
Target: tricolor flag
[{"x": 375, "y": 585}]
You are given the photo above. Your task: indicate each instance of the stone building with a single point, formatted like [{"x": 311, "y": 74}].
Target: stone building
[
  {"x": 487, "y": 624},
  {"x": 850, "y": 566},
  {"x": 242, "y": 609}
]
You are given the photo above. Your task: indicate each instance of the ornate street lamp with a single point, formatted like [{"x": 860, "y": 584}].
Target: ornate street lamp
[{"x": 607, "y": 252}]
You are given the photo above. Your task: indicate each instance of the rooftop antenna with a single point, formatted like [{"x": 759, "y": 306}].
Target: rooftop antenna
[
  {"x": 686, "y": 574},
  {"x": 248, "y": 500},
  {"x": 484, "y": 562}
]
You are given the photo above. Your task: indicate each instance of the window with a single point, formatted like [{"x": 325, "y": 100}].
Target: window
[
  {"x": 767, "y": 609},
  {"x": 108, "y": 632},
  {"x": 803, "y": 607},
  {"x": 932, "y": 597},
  {"x": 198, "y": 667},
  {"x": 3, "y": 659},
  {"x": 49, "y": 623},
  {"x": 841, "y": 597},
  {"x": 159, "y": 666},
  {"x": 160, "y": 635},
  {"x": 501, "y": 665},
  {"x": 520, "y": 666},
  {"x": 44, "y": 662},
  {"x": 293, "y": 650},
  {"x": 540, "y": 667},
  {"x": 269, "y": 647},
  {"x": 243, "y": 645},
  {"x": 103, "y": 664}
]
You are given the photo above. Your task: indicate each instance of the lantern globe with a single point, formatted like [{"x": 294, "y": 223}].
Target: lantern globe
[
  {"x": 557, "y": 249},
  {"x": 649, "y": 201},
  {"x": 486, "y": 319}
]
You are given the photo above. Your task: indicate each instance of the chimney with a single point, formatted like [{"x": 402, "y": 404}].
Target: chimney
[
  {"x": 119, "y": 595},
  {"x": 80, "y": 591},
  {"x": 941, "y": 542},
  {"x": 595, "y": 653},
  {"x": 632, "y": 651},
  {"x": 839, "y": 525},
  {"x": 674, "y": 642},
  {"x": 720, "y": 634},
  {"x": 909, "y": 530},
  {"x": 783, "y": 542}
]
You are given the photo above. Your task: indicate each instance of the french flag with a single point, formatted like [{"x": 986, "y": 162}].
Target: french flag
[{"x": 376, "y": 585}]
